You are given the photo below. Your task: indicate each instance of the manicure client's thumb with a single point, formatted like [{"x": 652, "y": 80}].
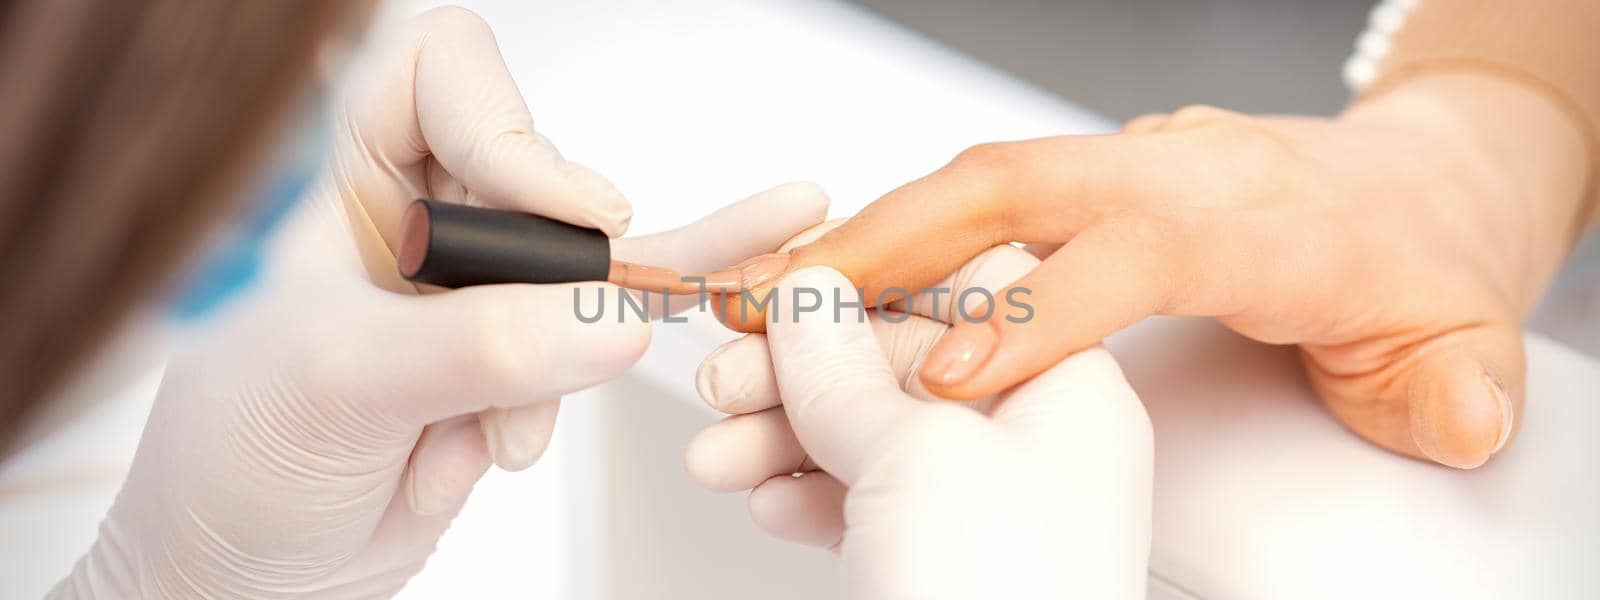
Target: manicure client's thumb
[{"x": 1462, "y": 409}]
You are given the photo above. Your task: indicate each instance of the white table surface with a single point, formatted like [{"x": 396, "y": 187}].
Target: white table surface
[{"x": 690, "y": 104}]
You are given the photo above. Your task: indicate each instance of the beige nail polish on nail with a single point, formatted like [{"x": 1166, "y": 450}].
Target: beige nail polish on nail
[
  {"x": 958, "y": 357},
  {"x": 761, "y": 269}
]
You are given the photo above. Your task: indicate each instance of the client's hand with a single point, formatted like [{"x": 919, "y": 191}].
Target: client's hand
[
  {"x": 1398, "y": 245},
  {"x": 1042, "y": 492}
]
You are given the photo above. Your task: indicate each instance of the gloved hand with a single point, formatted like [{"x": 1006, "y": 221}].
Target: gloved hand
[
  {"x": 1043, "y": 492},
  {"x": 441, "y": 117},
  {"x": 321, "y": 437},
  {"x": 1399, "y": 246}
]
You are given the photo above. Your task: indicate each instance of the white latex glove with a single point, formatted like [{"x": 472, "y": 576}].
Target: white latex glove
[
  {"x": 1041, "y": 493},
  {"x": 437, "y": 115},
  {"x": 286, "y": 450}
]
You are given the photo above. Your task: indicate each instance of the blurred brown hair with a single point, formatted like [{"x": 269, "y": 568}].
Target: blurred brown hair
[{"x": 125, "y": 126}]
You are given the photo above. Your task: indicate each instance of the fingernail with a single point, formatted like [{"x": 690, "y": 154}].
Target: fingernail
[
  {"x": 426, "y": 496},
  {"x": 748, "y": 274},
  {"x": 409, "y": 481},
  {"x": 957, "y": 357},
  {"x": 491, "y": 422},
  {"x": 1507, "y": 411},
  {"x": 510, "y": 452},
  {"x": 1464, "y": 421},
  {"x": 704, "y": 378},
  {"x": 761, "y": 269},
  {"x": 518, "y": 456},
  {"x": 512, "y": 442},
  {"x": 436, "y": 494}
]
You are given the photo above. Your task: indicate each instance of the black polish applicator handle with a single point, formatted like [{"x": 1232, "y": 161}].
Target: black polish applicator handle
[{"x": 453, "y": 245}]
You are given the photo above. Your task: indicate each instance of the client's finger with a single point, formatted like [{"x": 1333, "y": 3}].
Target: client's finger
[
  {"x": 964, "y": 294},
  {"x": 1105, "y": 279},
  {"x": 1044, "y": 190},
  {"x": 753, "y": 226}
]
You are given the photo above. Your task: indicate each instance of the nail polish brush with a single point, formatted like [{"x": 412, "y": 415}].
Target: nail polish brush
[{"x": 453, "y": 245}]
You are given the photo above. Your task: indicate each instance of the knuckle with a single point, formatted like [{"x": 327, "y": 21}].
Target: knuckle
[
  {"x": 801, "y": 191},
  {"x": 990, "y": 170},
  {"x": 607, "y": 347},
  {"x": 635, "y": 339},
  {"x": 988, "y": 157},
  {"x": 1198, "y": 116},
  {"x": 1145, "y": 123},
  {"x": 1255, "y": 141}
]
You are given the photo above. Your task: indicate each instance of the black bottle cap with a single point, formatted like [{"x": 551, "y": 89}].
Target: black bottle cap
[{"x": 452, "y": 245}]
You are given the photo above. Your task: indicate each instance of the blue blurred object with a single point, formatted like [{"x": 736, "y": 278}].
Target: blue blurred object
[{"x": 233, "y": 265}]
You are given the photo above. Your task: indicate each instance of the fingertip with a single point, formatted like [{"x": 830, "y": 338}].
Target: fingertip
[
  {"x": 741, "y": 451},
  {"x": 705, "y": 378},
  {"x": 957, "y": 358},
  {"x": 518, "y": 436},
  {"x": 449, "y": 458},
  {"x": 741, "y": 314},
  {"x": 605, "y": 206},
  {"x": 623, "y": 338},
  {"x": 737, "y": 377},
  {"x": 805, "y": 197},
  {"x": 1461, "y": 414},
  {"x": 805, "y": 509},
  {"x": 749, "y": 310},
  {"x": 702, "y": 462},
  {"x": 522, "y": 336},
  {"x": 761, "y": 278},
  {"x": 611, "y": 345}
]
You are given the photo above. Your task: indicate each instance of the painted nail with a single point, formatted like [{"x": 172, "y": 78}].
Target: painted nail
[
  {"x": 748, "y": 274},
  {"x": 761, "y": 269},
  {"x": 1507, "y": 411},
  {"x": 957, "y": 357}
]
